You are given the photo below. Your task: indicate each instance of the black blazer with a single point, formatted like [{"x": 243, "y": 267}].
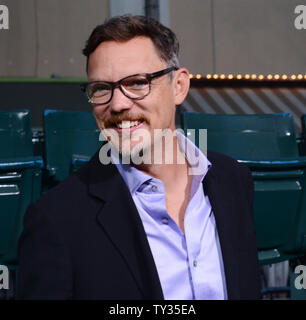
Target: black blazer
[{"x": 84, "y": 239}]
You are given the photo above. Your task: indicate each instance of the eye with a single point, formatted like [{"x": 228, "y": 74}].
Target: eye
[
  {"x": 99, "y": 89},
  {"x": 135, "y": 83}
]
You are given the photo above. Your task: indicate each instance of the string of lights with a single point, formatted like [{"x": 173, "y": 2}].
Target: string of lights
[{"x": 253, "y": 76}]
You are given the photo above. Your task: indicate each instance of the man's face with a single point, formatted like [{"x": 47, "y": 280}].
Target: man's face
[{"x": 112, "y": 61}]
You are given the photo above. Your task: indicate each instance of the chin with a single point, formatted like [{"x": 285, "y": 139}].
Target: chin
[{"x": 137, "y": 154}]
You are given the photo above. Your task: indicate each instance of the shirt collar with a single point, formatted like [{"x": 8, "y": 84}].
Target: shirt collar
[
  {"x": 199, "y": 163},
  {"x": 133, "y": 177}
]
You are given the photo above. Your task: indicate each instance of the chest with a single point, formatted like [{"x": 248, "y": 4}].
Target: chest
[
  {"x": 177, "y": 201},
  {"x": 176, "y": 206}
]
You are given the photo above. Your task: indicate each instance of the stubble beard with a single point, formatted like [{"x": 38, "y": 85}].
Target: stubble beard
[{"x": 121, "y": 145}]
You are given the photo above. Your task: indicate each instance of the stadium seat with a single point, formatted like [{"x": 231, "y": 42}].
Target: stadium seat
[
  {"x": 266, "y": 143},
  {"x": 20, "y": 180},
  {"x": 302, "y": 145},
  {"x": 71, "y": 138},
  {"x": 15, "y": 134}
]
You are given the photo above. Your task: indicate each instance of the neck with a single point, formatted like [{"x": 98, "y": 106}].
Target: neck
[{"x": 169, "y": 173}]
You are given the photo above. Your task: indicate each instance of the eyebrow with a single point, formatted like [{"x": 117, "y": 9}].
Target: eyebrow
[
  {"x": 99, "y": 80},
  {"x": 131, "y": 75}
]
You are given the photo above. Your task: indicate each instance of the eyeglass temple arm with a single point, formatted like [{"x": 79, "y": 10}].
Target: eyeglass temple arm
[{"x": 162, "y": 72}]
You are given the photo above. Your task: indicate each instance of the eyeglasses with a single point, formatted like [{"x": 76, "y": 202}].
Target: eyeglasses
[{"x": 134, "y": 87}]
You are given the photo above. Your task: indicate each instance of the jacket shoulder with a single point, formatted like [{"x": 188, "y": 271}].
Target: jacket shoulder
[
  {"x": 69, "y": 195},
  {"x": 226, "y": 163}
]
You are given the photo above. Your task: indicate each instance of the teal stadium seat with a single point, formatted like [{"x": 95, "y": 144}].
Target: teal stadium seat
[
  {"x": 266, "y": 143},
  {"x": 303, "y": 136},
  {"x": 71, "y": 138},
  {"x": 20, "y": 180}
]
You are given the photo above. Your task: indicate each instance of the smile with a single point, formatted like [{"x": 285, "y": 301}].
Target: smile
[{"x": 128, "y": 125}]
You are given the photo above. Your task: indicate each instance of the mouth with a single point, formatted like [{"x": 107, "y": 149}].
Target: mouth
[{"x": 126, "y": 125}]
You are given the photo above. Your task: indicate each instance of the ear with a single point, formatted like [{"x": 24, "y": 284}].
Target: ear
[{"x": 182, "y": 84}]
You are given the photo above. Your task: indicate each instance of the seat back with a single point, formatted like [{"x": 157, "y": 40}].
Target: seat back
[
  {"x": 303, "y": 120},
  {"x": 15, "y": 134},
  {"x": 260, "y": 136},
  {"x": 302, "y": 145},
  {"x": 279, "y": 190},
  {"x": 68, "y": 133},
  {"x": 20, "y": 185},
  {"x": 20, "y": 179}
]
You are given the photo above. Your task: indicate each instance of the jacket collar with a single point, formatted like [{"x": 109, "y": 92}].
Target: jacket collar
[{"x": 120, "y": 220}]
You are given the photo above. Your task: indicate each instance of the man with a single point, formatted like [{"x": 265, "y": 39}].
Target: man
[{"x": 148, "y": 229}]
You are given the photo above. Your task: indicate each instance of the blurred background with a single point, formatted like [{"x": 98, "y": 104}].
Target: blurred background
[
  {"x": 45, "y": 37},
  {"x": 41, "y": 59},
  {"x": 246, "y": 57},
  {"x": 244, "y": 38}
]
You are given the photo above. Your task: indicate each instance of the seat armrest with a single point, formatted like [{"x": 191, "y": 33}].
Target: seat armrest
[
  {"x": 290, "y": 163},
  {"x": 79, "y": 158},
  {"x": 78, "y": 161},
  {"x": 21, "y": 163}
]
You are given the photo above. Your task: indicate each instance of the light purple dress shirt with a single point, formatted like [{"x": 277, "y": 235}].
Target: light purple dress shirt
[{"x": 190, "y": 265}]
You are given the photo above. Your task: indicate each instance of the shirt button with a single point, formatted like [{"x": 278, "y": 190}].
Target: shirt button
[
  {"x": 195, "y": 263},
  {"x": 165, "y": 220},
  {"x": 154, "y": 188}
]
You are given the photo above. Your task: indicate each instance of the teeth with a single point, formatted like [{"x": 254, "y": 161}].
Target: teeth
[{"x": 127, "y": 124}]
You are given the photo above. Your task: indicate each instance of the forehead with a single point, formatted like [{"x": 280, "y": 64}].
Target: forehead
[{"x": 113, "y": 60}]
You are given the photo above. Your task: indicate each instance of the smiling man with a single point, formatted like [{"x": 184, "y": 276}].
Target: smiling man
[
  {"x": 141, "y": 230},
  {"x": 146, "y": 98}
]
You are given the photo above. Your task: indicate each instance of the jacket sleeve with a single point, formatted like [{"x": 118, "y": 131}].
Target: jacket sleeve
[
  {"x": 254, "y": 269},
  {"x": 44, "y": 265}
]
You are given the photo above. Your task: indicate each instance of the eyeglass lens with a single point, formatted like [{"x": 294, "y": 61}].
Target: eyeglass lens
[{"x": 134, "y": 87}]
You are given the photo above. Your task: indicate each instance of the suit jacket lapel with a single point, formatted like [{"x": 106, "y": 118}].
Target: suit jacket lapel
[
  {"x": 222, "y": 204},
  {"x": 119, "y": 218}
]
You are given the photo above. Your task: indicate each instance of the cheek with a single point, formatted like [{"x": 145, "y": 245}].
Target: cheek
[
  {"x": 163, "y": 110},
  {"x": 99, "y": 116},
  {"x": 166, "y": 105},
  {"x": 166, "y": 114}
]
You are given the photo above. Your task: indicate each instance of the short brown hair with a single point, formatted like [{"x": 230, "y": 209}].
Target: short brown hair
[{"x": 126, "y": 27}]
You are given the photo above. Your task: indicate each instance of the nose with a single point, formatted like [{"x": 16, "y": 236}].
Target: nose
[{"x": 120, "y": 102}]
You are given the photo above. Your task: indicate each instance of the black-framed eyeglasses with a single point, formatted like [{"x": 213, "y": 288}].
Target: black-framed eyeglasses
[{"x": 136, "y": 87}]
